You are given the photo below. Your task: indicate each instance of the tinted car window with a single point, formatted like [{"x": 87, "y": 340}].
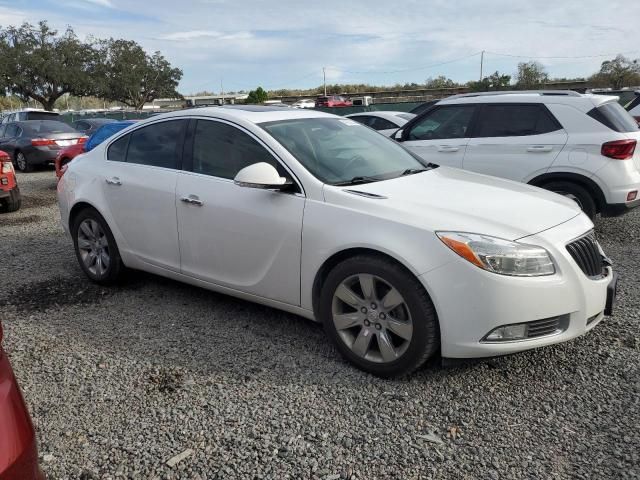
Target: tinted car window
[
  {"x": 382, "y": 124},
  {"x": 12, "y": 131},
  {"x": 515, "y": 121},
  {"x": 2, "y": 129},
  {"x": 117, "y": 151},
  {"x": 615, "y": 117},
  {"x": 157, "y": 144},
  {"x": 38, "y": 115},
  {"x": 363, "y": 119},
  {"x": 42, "y": 127},
  {"x": 81, "y": 126},
  {"x": 444, "y": 122},
  {"x": 222, "y": 151}
]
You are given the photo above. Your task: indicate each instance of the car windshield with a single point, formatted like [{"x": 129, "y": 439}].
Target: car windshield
[{"x": 339, "y": 151}]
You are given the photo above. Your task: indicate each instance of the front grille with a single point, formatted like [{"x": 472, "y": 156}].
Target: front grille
[
  {"x": 586, "y": 254},
  {"x": 546, "y": 326}
]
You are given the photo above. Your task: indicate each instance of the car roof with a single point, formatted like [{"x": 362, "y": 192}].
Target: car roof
[
  {"x": 97, "y": 121},
  {"x": 584, "y": 102},
  {"x": 251, "y": 113}
]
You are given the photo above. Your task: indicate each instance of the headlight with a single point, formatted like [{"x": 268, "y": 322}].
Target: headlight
[{"x": 500, "y": 256}]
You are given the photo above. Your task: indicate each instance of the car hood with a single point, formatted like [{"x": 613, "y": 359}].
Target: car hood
[{"x": 452, "y": 199}]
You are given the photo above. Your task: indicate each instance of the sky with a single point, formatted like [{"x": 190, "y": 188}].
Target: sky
[{"x": 241, "y": 44}]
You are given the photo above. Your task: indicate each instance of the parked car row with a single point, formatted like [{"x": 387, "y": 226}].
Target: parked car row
[{"x": 320, "y": 215}]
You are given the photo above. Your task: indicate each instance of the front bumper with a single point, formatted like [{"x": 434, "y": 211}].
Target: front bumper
[
  {"x": 18, "y": 450},
  {"x": 471, "y": 302}
]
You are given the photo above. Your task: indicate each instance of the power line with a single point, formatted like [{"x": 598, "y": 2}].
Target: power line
[{"x": 533, "y": 57}]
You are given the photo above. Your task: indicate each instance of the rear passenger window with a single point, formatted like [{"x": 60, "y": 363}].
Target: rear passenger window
[
  {"x": 382, "y": 124},
  {"x": 117, "y": 151},
  {"x": 156, "y": 145},
  {"x": 222, "y": 151},
  {"x": 615, "y": 117},
  {"x": 509, "y": 120}
]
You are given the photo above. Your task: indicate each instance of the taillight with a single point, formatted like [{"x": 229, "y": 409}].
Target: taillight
[
  {"x": 619, "y": 149},
  {"x": 83, "y": 139},
  {"x": 42, "y": 142},
  {"x": 7, "y": 167}
]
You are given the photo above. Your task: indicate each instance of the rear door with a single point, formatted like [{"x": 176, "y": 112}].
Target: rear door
[
  {"x": 514, "y": 141},
  {"x": 442, "y": 134},
  {"x": 140, "y": 190}
]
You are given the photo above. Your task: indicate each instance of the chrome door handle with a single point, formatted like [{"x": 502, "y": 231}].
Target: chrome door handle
[
  {"x": 447, "y": 148},
  {"x": 539, "y": 148},
  {"x": 192, "y": 200},
  {"x": 113, "y": 181}
]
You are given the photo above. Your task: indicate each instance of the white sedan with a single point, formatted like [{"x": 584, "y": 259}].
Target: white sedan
[
  {"x": 384, "y": 122},
  {"x": 304, "y": 103},
  {"x": 320, "y": 216}
]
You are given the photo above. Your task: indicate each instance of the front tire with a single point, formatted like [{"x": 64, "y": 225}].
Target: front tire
[
  {"x": 576, "y": 193},
  {"x": 379, "y": 316},
  {"x": 96, "y": 249}
]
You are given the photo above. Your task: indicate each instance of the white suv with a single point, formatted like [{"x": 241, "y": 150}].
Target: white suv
[{"x": 581, "y": 146}]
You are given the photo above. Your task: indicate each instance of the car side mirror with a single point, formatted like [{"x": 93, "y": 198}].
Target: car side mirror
[
  {"x": 398, "y": 135},
  {"x": 261, "y": 175}
]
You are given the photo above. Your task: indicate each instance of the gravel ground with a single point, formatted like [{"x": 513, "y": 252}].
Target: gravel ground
[{"x": 119, "y": 381}]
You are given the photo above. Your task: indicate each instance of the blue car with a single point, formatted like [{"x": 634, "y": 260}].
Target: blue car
[{"x": 104, "y": 132}]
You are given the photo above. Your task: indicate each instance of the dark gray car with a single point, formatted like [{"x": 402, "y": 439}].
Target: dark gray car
[
  {"x": 90, "y": 125},
  {"x": 36, "y": 142}
]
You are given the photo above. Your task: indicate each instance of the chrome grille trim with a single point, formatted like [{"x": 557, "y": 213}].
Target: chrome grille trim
[{"x": 585, "y": 252}]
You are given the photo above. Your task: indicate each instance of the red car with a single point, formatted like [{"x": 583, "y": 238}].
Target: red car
[
  {"x": 18, "y": 449},
  {"x": 333, "y": 101},
  {"x": 67, "y": 154},
  {"x": 10, "y": 199}
]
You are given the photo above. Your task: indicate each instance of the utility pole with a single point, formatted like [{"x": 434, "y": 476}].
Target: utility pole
[
  {"x": 324, "y": 81},
  {"x": 222, "y": 91},
  {"x": 481, "y": 63}
]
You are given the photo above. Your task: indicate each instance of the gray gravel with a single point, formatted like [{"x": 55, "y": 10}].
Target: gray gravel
[{"x": 120, "y": 381}]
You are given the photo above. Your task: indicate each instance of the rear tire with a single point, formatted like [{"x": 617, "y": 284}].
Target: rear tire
[
  {"x": 575, "y": 192},
  {"x": 368, "y": 330},
  {"x": 12, "y": 203},
  {"x": 22, "y": 163},
  {"x": 96, "y": 249}
]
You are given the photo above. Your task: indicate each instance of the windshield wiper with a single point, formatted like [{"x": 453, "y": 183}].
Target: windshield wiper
[
  {"x": 357, "y": 180},
  {"x": 411, "y": 171}
]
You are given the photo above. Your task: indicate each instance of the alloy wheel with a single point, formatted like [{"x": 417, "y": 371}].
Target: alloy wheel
[
  {"x": 93, "y": 247},
  {"x": 21, "y": 162},
  {"x": 372, "y": 318}
]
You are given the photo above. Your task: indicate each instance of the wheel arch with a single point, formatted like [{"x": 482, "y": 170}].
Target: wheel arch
[
  {"x": 342, "y": 255},
  {"x": 592, "y": 187},
  {"x": 79, "y": 207}
]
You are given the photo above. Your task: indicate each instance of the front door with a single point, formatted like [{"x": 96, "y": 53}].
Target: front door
[
  {"x": 243, "y": 238},
  {"x": 441, "y": 136}
]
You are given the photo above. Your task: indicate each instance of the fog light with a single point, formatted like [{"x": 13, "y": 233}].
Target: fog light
[
  {"x": 632, "y": 196},
  {"x": 508, "y": 332}
]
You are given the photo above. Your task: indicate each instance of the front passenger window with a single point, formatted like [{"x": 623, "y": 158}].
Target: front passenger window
[
  {"x": 443, "y": 122},
  {"x": 221, "y": 150}
]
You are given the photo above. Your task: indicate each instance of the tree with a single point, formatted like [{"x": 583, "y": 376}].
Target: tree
[
  {"x": 531, "y": 75},
  {"x": 37, "y": 63},
  {"x": 495, "y": 81},
  {"x": 440, "y": 82},
  {"x": 257, "y": 96},
  {"x": 619, "y": 72},
  {"x": 130, "y": 76}
]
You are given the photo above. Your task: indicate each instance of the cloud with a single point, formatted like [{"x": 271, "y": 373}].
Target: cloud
[
  {"x": 102, "y": 3},
  {"x": 200, "y": 34}
]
